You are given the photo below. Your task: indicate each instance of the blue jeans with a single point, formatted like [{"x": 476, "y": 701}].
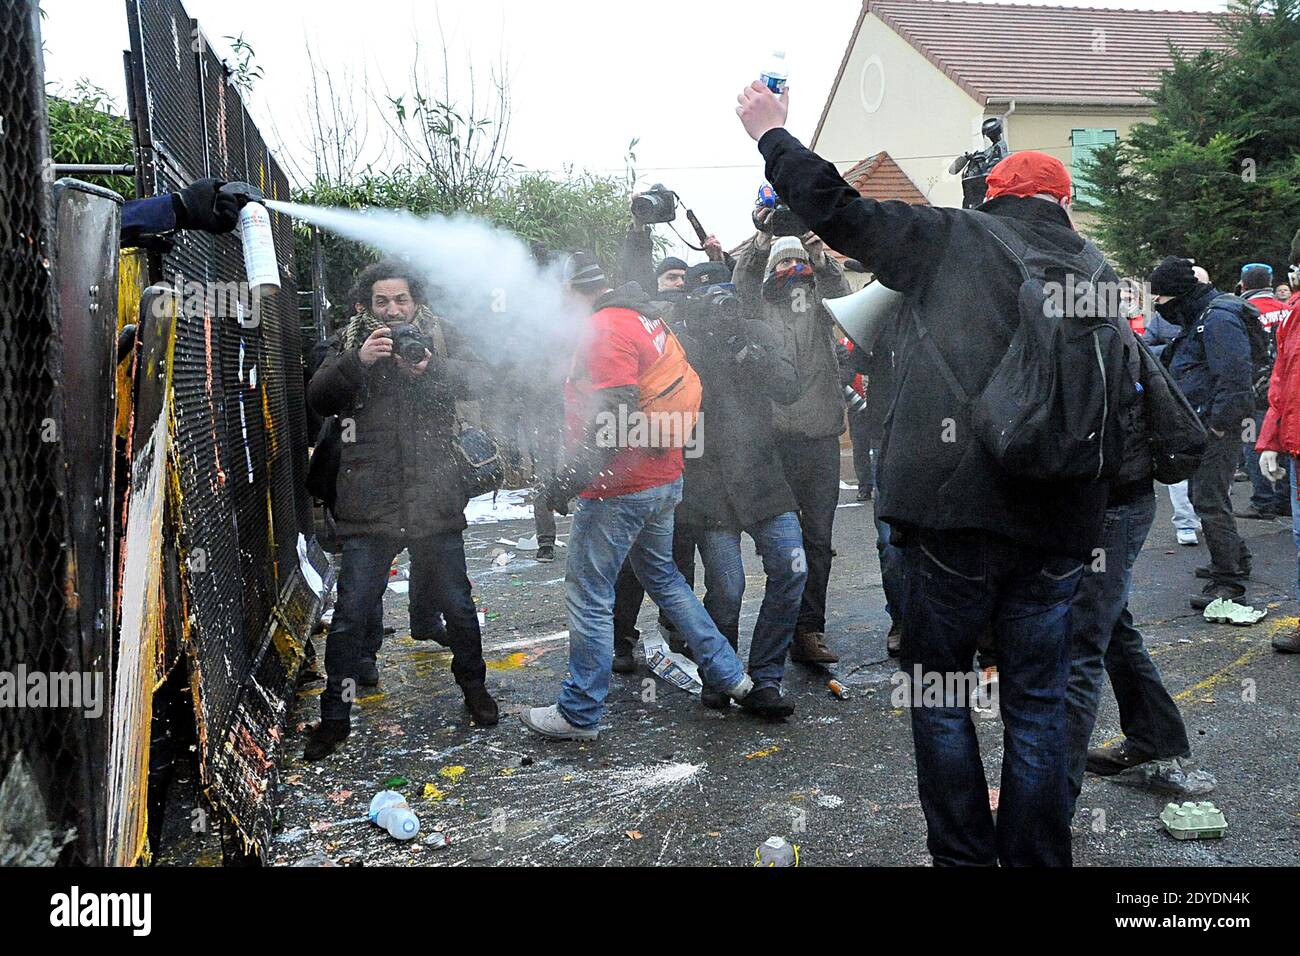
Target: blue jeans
[
  {"x": 604, "y": 534},
  {"x": 891, "y": 559},
  {"x": 438, "y": 561},
  {"x": 1102, "y": 635},
  {"x": 1265, "y": 497},
  {"x": 779, "y": 541},
  {"x": 1295, "y": 518},
  {"x": 961, "y": 584}
]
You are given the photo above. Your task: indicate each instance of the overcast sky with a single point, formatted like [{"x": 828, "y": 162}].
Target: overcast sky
[{"x": 585, "y": 77}]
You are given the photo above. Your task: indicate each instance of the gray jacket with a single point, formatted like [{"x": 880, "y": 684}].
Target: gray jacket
[{"x": 808, "y": 337}]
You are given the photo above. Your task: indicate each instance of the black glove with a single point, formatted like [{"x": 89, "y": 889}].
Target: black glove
[
  {"x": 554, "y": 498},
  {"x": 202, "y": 205}
]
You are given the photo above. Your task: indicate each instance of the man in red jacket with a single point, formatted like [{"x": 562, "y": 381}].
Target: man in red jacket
[{"x": 1279, "y": 440}]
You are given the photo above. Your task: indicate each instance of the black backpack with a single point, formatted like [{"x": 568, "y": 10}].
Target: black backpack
[
  {"x": 1052, "y": 409},
  {"x": 1262, "y": 352}
]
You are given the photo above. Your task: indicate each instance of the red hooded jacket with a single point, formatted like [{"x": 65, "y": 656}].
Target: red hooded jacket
[{"x": 1281, "y": 429}]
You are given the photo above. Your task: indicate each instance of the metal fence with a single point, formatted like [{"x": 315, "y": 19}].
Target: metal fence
[{"x": 240, "y": 421}]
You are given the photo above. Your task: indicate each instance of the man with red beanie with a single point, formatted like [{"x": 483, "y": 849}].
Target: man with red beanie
[{"x": 983, "y": 550}]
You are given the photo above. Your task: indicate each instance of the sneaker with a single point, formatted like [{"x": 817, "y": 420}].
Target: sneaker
[
  {"x": 546, "y": 553},
  {"x": 1187, "y": 537},
  {"x": 1216, "y": 590},
  {"x": 480, "y": 704},
  {"x": 894, "y": 640},
  {"x": 809, "y": 647},
  {"x": 766, "y": 702},
  {"x": 548, "y": 722},
  {"x": 1287, "y": 643},
  {"x": 1108, "y": 761},
  {"x": 624, "y": 655},
  {"x": 325, "y": 739}
]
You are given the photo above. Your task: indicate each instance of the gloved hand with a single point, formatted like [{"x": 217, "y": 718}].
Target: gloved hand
[
  {"x": 1269, "y": 466},
  {"x": 554, "y": 497},
  {"x": 201, "y": 205}
]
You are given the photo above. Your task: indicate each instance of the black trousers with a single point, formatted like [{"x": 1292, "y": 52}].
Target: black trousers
[
  {"x": 812, "y": 469},
  {"x": 1209, "y": 490},
  {"x": 628, "y": 592}
]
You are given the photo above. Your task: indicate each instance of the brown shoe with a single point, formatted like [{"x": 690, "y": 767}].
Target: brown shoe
[
  {"x": 1287, "y": 643},
  {"x": 809, "y": 647}
]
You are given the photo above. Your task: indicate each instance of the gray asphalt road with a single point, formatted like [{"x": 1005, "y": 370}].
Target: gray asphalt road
[{"x": 669, "y": 782}]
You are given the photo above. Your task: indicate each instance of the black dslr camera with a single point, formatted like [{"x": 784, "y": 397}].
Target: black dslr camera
[
  {"x": 656, "y": 204},
  {"x": 409, "y": 342},
  {"x": 782, "y": 222},
  {"x": 713, "y": 312}
]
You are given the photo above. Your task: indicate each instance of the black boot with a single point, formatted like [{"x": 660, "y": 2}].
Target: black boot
[
  {"x": 368, "y": 674},
  {"x": 624, "y": 657},
  {"x": 715, "y": 699},
  {"x": 325, "y": 739},
  {"x": 1226, "y": 590},
  {"x": 766, "y": 702},
  {"x": 480, "y": 704}
]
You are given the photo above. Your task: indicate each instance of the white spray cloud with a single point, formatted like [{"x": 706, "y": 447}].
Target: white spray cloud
[{"x": 482, "y": 279}]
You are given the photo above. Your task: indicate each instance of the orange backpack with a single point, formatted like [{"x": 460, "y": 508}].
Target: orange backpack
[{"x": 670, "y": 393}]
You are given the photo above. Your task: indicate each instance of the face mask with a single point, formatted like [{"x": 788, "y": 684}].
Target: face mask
[{"x": 784, "y": 281}]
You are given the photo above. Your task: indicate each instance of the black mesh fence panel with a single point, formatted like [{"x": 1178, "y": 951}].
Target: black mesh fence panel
[
  {"x": 44, "y": 783},
  {"x": 240, "y": 421}
]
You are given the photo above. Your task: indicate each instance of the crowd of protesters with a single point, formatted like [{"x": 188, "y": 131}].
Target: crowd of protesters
[{"x": 982, "y": 556}]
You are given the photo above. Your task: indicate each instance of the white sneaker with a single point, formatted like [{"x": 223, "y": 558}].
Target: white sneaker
[
  {"x": 1186, "y": 536},
  {"x": 548, "y": 722}
]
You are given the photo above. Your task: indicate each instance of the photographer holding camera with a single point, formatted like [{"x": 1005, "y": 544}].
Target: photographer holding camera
[
  {"x": 666, "y": 280},
  {"x": 394, "y": 386},
  {"x": 781, "y": 278}
]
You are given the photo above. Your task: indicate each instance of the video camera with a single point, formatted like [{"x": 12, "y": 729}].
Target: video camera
[
  {"x": 783, "y": 221},
  {"x": 409, "y": 342}
]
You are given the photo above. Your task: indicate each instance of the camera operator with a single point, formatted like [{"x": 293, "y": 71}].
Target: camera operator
[
  {"x": 781, "y": 279},
  {"x": 983, "y": 548},
  {"x": 394, "y": 381},
  {"x": 636, "y": 259},
  {"x": 737, "y": 485}
]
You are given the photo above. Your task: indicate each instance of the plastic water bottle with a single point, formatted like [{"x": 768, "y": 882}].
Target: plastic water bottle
[
  {"x": 774, "y": 74},
  {"x": 390, "y": 811}
]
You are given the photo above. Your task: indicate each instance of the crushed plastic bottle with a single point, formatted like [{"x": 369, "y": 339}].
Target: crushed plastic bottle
[
  {"x": 775, "y": 851},
  {"x": 389, "y": 811}
]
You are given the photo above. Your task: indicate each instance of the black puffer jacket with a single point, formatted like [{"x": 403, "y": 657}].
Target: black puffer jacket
[
  {"x": 399, "y": 477},
  {"x": 961, "y": 293},
  {"x": 738, "y": 481}
]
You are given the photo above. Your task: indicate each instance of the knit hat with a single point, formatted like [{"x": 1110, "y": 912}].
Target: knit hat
[
  {"x": 704, "y": 274},
  {"x": 583, "y": 273},
  {"x": 667, "y": 264},
  {"x": 786, "y": 247},
  {"x": 1173, "y": 277}
]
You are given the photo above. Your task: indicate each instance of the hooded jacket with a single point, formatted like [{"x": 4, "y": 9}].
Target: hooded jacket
[
  {"x": 399, "y": 476},
  {"x": 808, "y": 338},
  {"x": 1211, "y": 359},
  {"x": 961, "y": 293},
  {"x": 1281, "y": 428}
]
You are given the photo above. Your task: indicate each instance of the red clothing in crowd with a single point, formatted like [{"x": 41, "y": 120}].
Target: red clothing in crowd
[
  {"x": 1281, "y": 429},
  {"x": 859, "y": 384},
  {"x": 622, "y": 344}
]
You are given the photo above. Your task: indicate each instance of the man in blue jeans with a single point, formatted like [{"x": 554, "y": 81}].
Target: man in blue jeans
[
  {"x": 1102, "y": 634},
  {"x": 983, "y": 549},
  {"x": 629, "y": 489},
  {"x": 736, "y": 484}
]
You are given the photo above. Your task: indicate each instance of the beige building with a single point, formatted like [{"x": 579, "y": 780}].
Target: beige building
[{"x": 920, "y": 76}]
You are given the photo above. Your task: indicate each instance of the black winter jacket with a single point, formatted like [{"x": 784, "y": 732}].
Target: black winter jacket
[
  {"x": 738, "y": 480},
  {"x": 961, "y": 291},
  {"x": 399, "y": 478}
]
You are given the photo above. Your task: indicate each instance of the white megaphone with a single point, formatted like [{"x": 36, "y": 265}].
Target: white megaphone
[{"x": 864, "y": 313}]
